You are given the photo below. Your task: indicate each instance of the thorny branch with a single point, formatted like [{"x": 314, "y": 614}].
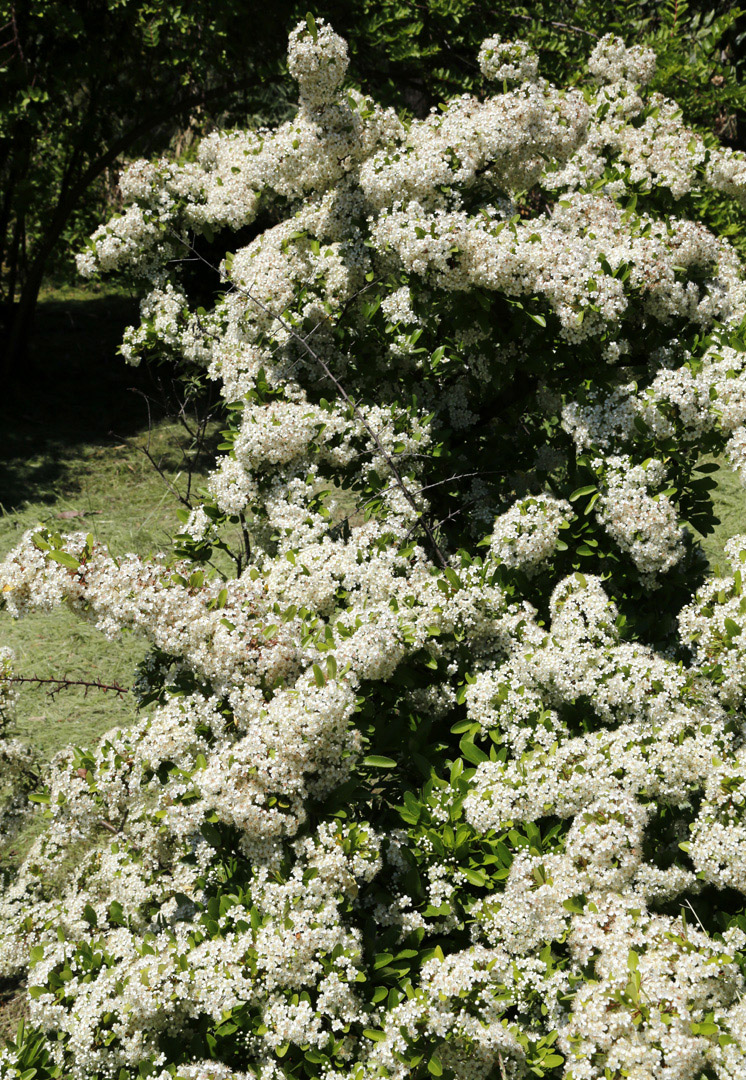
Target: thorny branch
[
  {"x": 115, "y": 830},
  {"x": 59, "y": 683},
  {"x": 556, "y": 23},
  {"x": 195, "y": 427},
  {"x": 197, "y": 433}
]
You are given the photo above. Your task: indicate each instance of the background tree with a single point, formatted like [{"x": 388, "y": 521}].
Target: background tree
[{"x": 89, "y": 83}]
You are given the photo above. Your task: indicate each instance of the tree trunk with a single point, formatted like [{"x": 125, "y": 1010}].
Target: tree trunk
[{"x": 20, "y": 321}]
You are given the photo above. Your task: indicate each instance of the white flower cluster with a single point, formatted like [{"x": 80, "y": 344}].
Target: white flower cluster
[
  {"x": 727, "y": 172},
  {"x": 644, "y": 524},
  {"x": 526, "y": 535},
  {"x": 655, "y": 978},
  {"x": 317, "y": 60},
  {"x": 713, "y": 627},
  {"x": 408, "y": 799},
  {"x": 612, "y": 62},
  {"x": 643, "y": 142},
  {"x": 512, "y": 61},
  {"x": 560, "y": 258},
  {"x": 8, "y": 692}
]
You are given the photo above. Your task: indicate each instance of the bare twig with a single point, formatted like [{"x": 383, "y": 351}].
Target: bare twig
[
  {"x": 696, "y": 916},
  {"x": 456, "y": 512},
  {"x": 60, "y": 683},
  {"x": 555, "y": 22},
  {"x": 115, "y": 829},
  {"x": 195, "y": 427},
  {"x": 439, "y": 524},
  {"x": 246, "y": 538},
  {"x": 417, "y": 491},
  {"x": 185, "y": 500},
  {"x": 156, "y": 465}
]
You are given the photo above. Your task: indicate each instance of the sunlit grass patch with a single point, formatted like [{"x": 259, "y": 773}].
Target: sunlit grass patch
[
  {"x": 73, "y": 461},
  {"x": 729, "y": 501}
]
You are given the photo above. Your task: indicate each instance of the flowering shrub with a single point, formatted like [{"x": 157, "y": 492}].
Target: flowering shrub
[{"x": 447, "y": 780}]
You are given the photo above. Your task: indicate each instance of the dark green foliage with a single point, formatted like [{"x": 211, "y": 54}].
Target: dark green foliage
[{"x": 89, "y": 81}]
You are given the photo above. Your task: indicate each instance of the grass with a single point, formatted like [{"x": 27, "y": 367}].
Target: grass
[
  {"x": 729, "y": 500},
  {"x": 71, "y": 441}
]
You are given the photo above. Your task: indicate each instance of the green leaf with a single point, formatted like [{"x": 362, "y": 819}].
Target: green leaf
[
  {"x": 379, "y": 762},
  {"x": 434, "y": 1066},
  {"x": 318, "y": 676},
  {"x": 589, "y": 489},
  {"x": 575, "y": 905},
  {"x": 413, "y": 806},
  {"x": 592, "y": 502},
  {"x": 473, "y": 754},
  {"x": 504, "y": 853},
  {"x": 464, "y": 725},
  {"x": 115, "y": 913},
  {"x": 312, "y": 28},
  {"x": 475, "y": 877},
  {"x": 452, "y": 577},
  {"x": 382, "y": 960},
  {"x": 64, "y": 558}
]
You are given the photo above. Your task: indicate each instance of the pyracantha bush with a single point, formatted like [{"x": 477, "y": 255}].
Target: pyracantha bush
[{"x": 448, "y": 778}]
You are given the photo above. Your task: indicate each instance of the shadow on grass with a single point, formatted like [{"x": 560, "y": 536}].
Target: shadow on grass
[
  {"x": 13, "y": 1007},
  {"x": 75, "y": 390}
]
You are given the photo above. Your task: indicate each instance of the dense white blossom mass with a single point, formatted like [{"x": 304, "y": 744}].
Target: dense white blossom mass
[{"x": 448, "y": 778}]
